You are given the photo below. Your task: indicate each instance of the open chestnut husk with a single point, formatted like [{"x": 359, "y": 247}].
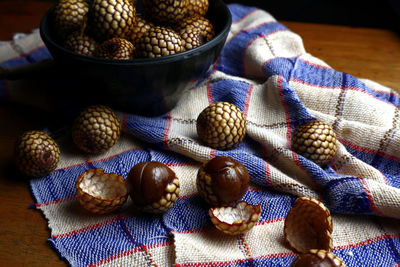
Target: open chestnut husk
[
  {"x": 235, "y": 220},
  {"x": 153, "y": 186},
  {"x": 308, "y": 225},
  {"x": 100, "y": 192},
  {"x": 222, "y": 181}
]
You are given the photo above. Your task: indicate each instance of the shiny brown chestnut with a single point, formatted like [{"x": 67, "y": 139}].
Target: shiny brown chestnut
[
  {"x": 153, "y": 186},
  {"x": 222, "y": 181}
]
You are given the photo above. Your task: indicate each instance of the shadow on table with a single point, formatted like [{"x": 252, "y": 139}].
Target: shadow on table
[{"x": 357, "y": 13}]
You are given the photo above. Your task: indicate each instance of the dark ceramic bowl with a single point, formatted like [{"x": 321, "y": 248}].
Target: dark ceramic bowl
[{"x": 141, "y": 86}]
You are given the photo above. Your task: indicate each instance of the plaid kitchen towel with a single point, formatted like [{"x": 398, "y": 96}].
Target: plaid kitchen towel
[{"x": 265, "y": 71}]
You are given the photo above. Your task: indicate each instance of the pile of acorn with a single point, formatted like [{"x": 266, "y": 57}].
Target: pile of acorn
[
  {"x": 113, "y": 29},
  {"x": 221, "y": 181}
]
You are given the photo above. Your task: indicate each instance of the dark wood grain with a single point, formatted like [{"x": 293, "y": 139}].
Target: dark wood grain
[
  {"x": 20, "y": 16},
  {"x": 363, "y": 52}
]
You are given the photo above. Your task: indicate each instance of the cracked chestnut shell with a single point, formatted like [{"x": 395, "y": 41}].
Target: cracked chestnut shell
[
  {"x": 100, "y": 192},
  {"x": 222, "y": 181},
  {"x": 308, "y": 225},
  {"x": 235, "y": 220},
  {"x": 153, "y": 186}
]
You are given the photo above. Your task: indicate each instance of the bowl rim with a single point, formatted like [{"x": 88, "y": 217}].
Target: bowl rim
[{"x": 139, "y": 61}]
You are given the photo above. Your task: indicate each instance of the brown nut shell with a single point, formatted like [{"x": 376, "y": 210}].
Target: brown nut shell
[
  {"x": 139, "y": 28},
  {"x": 96, "y": 129},
  {"x": 315, "y": 141},
  {"x": 222, "y": 181},
  {"x": 153, "y": 186},
  {"x": 36, "y": 153},
  {"x": 235, "y": 220},
  {"x": 100, "y": 192},
  {"x": 191, "y": 38},
  {"x": 112, "y": 18},
  {"x": 159, "y": 41},
  {"x": 198, "y": 7},
  {"x": 70, "y": 16},
  {"x": 221, "y": 125},
  {"x": 200, "y": 23},
  {"x": 308, "y": 225},
  {"x": 318, "y": 258},
  {"x": 116, "y": 48},
  {"x": 166, "y": 11},
  {"x": 81, "y": 44}
]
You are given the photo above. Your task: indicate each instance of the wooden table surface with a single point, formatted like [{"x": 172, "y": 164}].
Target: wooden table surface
[{"x": 365, "y": 53}]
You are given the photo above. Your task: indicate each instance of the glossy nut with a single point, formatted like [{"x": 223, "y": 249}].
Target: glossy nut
[
  {"x": 116, "y": 48},
  {"x": 222, "y": 181},
  {"x": 140, "y": 27},
  {"x": 96, "y": 129},
  {"x": 318, "y": 258},
  {"x": 81, "y": 44},
  {"x": 100, "y": 192},
  {"x": 166, "y": 11},
  {"x": 153, "y": 186},
  {"x": 112, "y": 18},
  {"x": 200, "y": 23},
  {"x": 191, "y": 38},
  {"x": 36, "y": 153},
  {"x": 221, "y": 125},
  {"x": 308, "y": 225},
  {"x": 235, "y": 220},
  {"x": 70, "y": 16},
  {"x": 158, "y": 42},
  {"x": 198, "y": 7},
  {"x": 315, "y": 141}
]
